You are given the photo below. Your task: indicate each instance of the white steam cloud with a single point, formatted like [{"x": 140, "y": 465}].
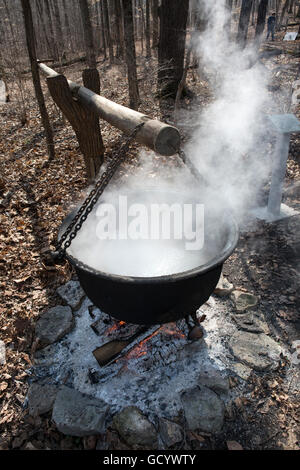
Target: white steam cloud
[{"x": 228, "y": 146}]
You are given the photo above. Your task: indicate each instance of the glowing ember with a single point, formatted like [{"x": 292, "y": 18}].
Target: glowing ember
[
  {"x": 115, "y": 327},
  {"x": 141, "y": 348}
]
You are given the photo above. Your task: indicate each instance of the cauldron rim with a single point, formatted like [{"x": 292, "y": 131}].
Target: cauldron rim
[{"x": 218, "y": 260}]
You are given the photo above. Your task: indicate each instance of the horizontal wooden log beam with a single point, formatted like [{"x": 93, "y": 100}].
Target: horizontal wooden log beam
[{"x": 158, "y": 136}]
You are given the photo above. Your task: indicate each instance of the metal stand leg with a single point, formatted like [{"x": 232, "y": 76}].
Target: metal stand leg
[
  {"x": 283, "y": 125},
  {"x": 278, "y": 173}
]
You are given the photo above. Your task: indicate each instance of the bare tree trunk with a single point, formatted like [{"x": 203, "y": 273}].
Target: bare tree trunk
[
  {"x": 48, "y": 14},
  {"x": 97, "y": 33},
  {"x": 69, "y": 40},
  {"x": 39, "y": 8},
  {"x": 148, "y": 45},
  {"x": 135, "y": 19},
  {"x": 244, "y": 22},
  {"x": 261, "y": 18},
  {"x": 134, "y": 98},
  {"x": 283, "y": 12},
  {"x": 154, "y": 24},
  {"x": 182, "y": 83},
  {"x": 103, "y": 29},
  {"x": 58, "y": 28},
  {"x": 142, "y": 25},
  {"x": 16, "y": 67},
  {"x": 88, "y": 35},
  {"x": 107, "y": 31},
  {"x": 120, "y": 33},
  {"x": 30, "y": 39},
  {"x": 173, "y": 18}
]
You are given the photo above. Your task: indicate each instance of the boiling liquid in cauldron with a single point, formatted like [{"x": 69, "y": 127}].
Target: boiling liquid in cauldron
[{"x": 144, "y": 258}]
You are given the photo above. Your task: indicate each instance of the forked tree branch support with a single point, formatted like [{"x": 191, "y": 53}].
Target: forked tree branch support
[{"x": 160, "y": 137}]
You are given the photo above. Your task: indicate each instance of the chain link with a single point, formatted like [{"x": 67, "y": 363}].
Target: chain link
[{"x": 93, "y": 197}]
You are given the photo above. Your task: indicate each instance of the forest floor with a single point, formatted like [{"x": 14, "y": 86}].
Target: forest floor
[{"x": 36, "y": 195}]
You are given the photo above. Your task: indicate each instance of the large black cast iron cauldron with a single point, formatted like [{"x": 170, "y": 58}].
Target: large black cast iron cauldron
[{"x": 155, "y": 300}]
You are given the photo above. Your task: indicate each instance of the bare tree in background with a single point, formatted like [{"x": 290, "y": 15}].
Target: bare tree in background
[
  {"x": 253, "y": 12},
  {"x": 261, "y": 18},
  {"x": 119, "y": 29},
  {"x": 14, "y": 64},
  {"x": 142, "y": 24},
  {"x": 103, "y": 29},
  {"x": 107, "y": 31},
  {"x": 58, "y": 28},
  {"x": 147, "y": 31},
  {"x": 40, "y": 14},
  {"x": 155, "y": 24},
  {"x": 52, "y": 35},
  {"x": 244, "y": 22},
  {"x": 88, "y": 35},
  {"x": 68, "y": 35},
  {"x": 283, "y": 12},
  {"x": 134, "y": 98},
  {"x": 171, "y": 49},
  {"x": 30, "y": 40}
]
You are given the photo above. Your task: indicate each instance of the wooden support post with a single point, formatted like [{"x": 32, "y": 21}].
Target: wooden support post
[
  {"x": 84, "y": 122},
  {"x": 158, "y": 136}
]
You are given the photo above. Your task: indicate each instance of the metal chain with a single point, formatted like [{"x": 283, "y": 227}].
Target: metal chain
[{"x": 92, "y": 199}]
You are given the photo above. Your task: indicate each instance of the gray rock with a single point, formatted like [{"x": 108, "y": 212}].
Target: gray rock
[
  {"x": 241, "y": 370},
  {"x": 171, "y": 433},
  {"x": 224, "y": 287},
  {"x": 243, "y": 300},
  {"x": 41, "y": 398},
  {"x": 251, "y": 321},
  {"x": 2, "y": 353},
  {"x": 214, "y": 380},
  {"x": 76, "y": 414},
  {"x": 135, "y": 428},
  {"x": 258, "y": 351},
  {"x": 71, "y": 293},
  {"x": 54, "y": 324},
  {"x": 203, "y": 409}
]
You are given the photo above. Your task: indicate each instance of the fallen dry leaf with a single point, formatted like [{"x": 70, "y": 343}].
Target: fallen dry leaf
[{"x": 233, "y": 445}]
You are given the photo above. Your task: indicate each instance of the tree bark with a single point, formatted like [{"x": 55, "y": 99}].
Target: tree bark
[
  {"x": 59, "y": 33},
  {"x": 48, "y": 14},
  {"x": 253, "y": 12},
  {"x": 30, "y": 40},
  {"x": 283, "y": 12},
  {"x": 134, "y": 98},
  {"x": 88, "y": 35},
  {"x": 103, "y": 29},
  {"x": 244, "y": 22},
  {"x": 119, "y": 27},
  {"x": 261, "y": 18},
  {"x": 39, "y": 7},
  {"x": 154, "y": 24},
  {"x": 142, "y": 24},
  {"x": 148, "y": 45},
  {"x": 171, "y": 49},
  {"x": 67, "y": 25},
  {"x": 107, "y": 31},
  {"x": 84, "y": 122}
]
